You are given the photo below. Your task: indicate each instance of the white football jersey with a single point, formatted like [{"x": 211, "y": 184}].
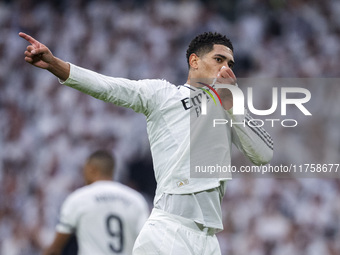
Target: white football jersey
[
  {"x": 179, "y": 138},
  {"x": 182, "y": 139},
  {"x": 106, "y": 217}
]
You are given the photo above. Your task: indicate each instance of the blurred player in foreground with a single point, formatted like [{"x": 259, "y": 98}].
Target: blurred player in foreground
[
  {"x": 187, "y": 211},
  {"x": 105, "y": 216}
]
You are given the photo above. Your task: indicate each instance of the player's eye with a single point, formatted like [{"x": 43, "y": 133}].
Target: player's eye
[
  {"x": 219, "y": 60},
  {"x": 231, "y": 65}
]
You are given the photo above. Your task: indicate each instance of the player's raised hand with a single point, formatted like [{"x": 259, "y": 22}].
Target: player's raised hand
[
  {"x": 40, "y": 56},
  {"x": 226, "y": 76},
  {"x": 37, "y": 53}
]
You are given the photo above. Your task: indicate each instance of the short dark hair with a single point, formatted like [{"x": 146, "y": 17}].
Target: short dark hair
[
  {"x": 104, "y": 161},
  {"x": 205, "y": 42}
]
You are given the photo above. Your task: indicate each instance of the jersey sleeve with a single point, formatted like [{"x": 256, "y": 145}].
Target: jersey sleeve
[
  {"x": 67, "y": 218},
  {"x": 252, "y": 139},
  {"x": 137, "y": 95}
]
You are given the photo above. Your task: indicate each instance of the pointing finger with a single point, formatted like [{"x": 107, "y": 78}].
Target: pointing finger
[{"x": 28, "y": 38}]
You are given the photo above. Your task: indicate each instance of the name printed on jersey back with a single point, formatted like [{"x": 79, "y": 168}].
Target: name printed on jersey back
[{"x": 107, "y": 197}]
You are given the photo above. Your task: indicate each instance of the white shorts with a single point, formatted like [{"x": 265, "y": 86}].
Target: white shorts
[{"x": 168, "y": 234}]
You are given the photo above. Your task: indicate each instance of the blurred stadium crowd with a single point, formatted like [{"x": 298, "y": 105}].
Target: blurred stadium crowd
[{"x": 47, "y": 130}]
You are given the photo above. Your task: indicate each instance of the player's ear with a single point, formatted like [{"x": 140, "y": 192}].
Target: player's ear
[{"x": 193, "y": 61}]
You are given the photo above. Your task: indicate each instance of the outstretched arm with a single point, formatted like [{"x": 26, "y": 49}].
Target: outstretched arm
[{"x": 40, "y": 56}]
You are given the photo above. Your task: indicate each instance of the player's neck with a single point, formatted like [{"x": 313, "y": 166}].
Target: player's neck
[{"x": 97, "y": 179}]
